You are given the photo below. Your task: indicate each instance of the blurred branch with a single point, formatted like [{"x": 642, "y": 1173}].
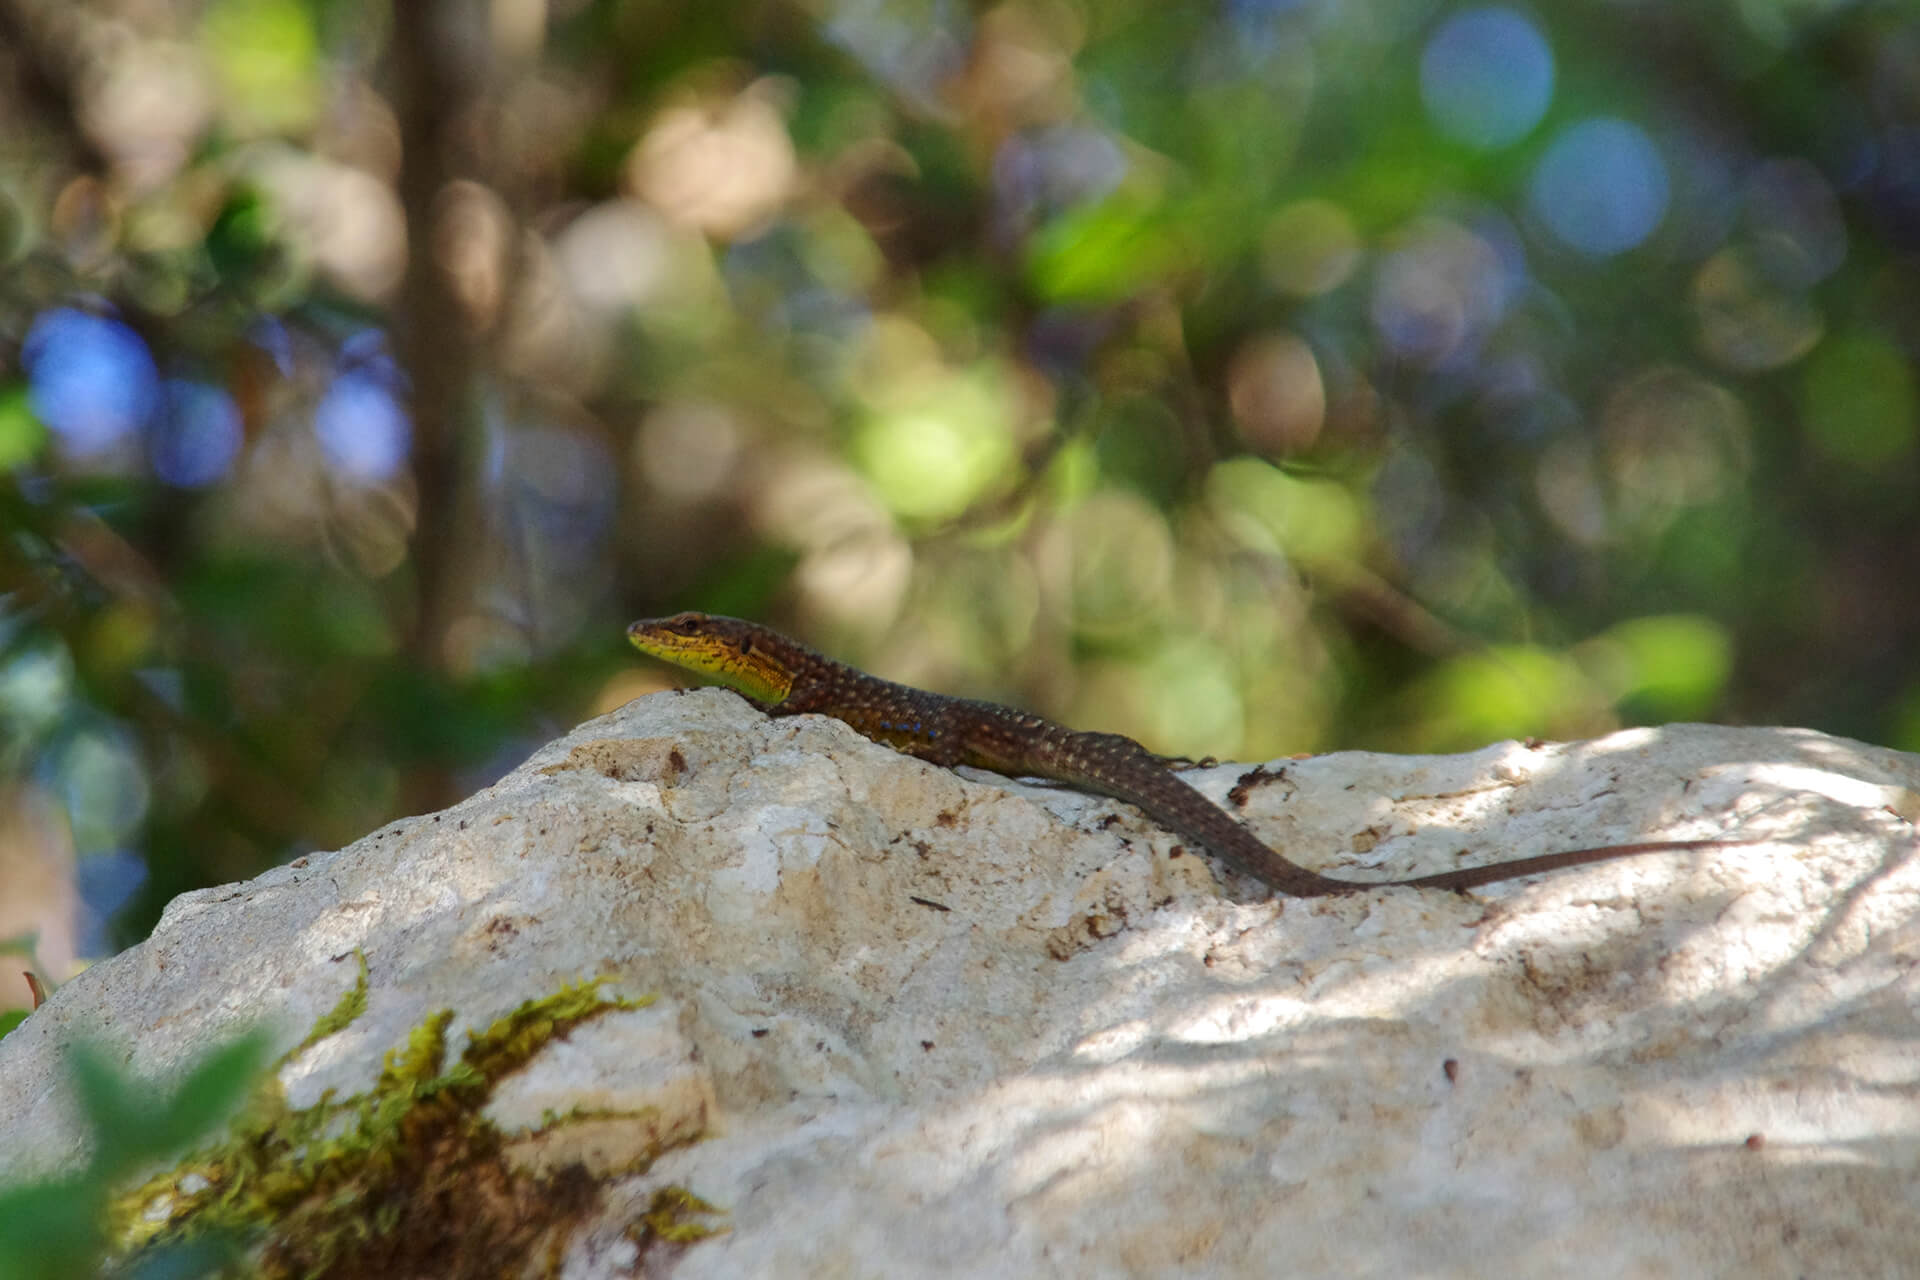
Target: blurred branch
[
  {"x": 431, "y": 96},
  {"x": 1364, "y": 595}
]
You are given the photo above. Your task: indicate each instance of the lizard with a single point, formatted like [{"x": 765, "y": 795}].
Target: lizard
[{"x": 783, "y": 677}]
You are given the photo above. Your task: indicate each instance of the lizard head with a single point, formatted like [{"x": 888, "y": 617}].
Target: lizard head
[{"x": 743, "y": 656}]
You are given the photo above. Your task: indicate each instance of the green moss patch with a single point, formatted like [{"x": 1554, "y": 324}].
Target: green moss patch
[
  {"x": 671, "y": 1219},
  {"x": 407, "y": 1178}
]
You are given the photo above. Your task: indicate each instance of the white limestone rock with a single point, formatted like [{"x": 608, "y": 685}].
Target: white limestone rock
[{"x": 912, "y": 1023}]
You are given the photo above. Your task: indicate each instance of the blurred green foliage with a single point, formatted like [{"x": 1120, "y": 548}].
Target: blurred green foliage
[
  {"x": 1251, "y": 377},
  {"x": 56, "y": 1229}
]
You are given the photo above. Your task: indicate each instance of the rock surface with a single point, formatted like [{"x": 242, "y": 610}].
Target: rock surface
[{"x": 913, "y": 1023}]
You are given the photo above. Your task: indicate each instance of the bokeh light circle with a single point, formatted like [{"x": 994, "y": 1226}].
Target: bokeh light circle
[
  {"x": 197, "y": 435},
  {"x": 1601, "y": 188},
  {"x": 1486, "y": 76},
  {"x": 90, "y": 378}
]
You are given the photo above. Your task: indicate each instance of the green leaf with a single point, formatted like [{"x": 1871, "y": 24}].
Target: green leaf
[
  {"x": 50, "y": 1230},
  {"x": 1106, "y": 252},
  {"x": 132, "y": 1129}
]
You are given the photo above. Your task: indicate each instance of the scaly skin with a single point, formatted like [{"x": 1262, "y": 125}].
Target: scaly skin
[{"x": 785, "y": 678}]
